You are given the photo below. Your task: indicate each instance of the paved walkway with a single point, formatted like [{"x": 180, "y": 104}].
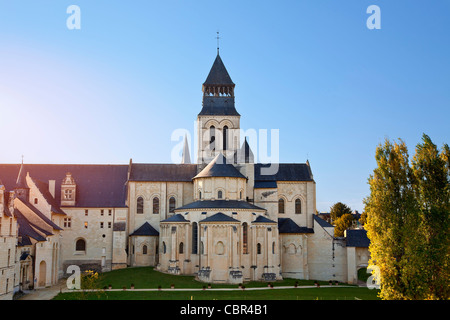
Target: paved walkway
[{"x": 45, "y": 293}]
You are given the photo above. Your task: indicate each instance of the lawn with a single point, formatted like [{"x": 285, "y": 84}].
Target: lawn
[{"x": 147, "y": 278}]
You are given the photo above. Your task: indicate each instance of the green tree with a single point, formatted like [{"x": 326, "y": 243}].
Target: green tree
[
  {"x": 388, "y": 206},
  {"x": 338, "y": 209},
  {"x": 343, "y": 223},
  {"x": 432, "y": 191},
  {"x": 408, "y": 220}
]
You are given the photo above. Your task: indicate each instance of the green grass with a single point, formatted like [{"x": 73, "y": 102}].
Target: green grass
[
  {"x": 339, "y": 293},
  {"x": 147, "y": 278}
]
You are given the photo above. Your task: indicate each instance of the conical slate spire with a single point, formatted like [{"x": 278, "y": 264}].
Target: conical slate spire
[
  {"x": 218, "y": 75},
  {"x": 245, "y": 154},
  {"x": 218, "y": 91},
  {"x": 186, "y": 157},
  {"x": 21, "y": 182}
]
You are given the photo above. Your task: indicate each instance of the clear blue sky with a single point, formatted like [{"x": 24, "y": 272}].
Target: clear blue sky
[{"x": 117, "y": 88}]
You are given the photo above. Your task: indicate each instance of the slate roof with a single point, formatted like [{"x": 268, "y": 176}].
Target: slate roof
[
  {"x": 219, "y": 204},
  {"x": 176, "y": 218},
  {"x": 6, "y": 211},
  {"x": 42, "y": 216},
  {"x": 286, "y": 225},
  {"x": 262, "y": 219},
  {"x": 162, "y": 172},
  {"x": 43, "y": 188},
  {"x": 357, "y": 238},
  {"x": 145, "y": 230},
  {"x": 245, "y": 154},
  {"x": 219, "y": 217},
  {"x": 285, "y": 172},
  {"x": 265, "y": 184},
  {"x": 27, "y": 229},
  {"x": 218, "y": 75},
  {"x": 219, "y": 168},
  {"x": 97, "y": 185},
  {"x": 213, "y": 106},
  {"x": 322, "y": 222}
]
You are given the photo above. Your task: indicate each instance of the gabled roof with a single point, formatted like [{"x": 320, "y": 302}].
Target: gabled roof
[
  {"x": 27, "y": 229},
  {"x": 98, "y": 186},
  {"x": 262, "y": 219},
  {"x": 357, "y": 238},
  {"x": 219, "y": 168},
  {"x": 163, "y": 172},
  {"x": 284, "y": 172},
  {"x": 219, "y": 217},
  {"x": 265, "y": 184},
  {"x": 41, "y": 215},
  {"x": 176, "y": 218},
  {"x": 218, "y": 75},
  {"x": 322, "y": 222},
  {"x": 286, "y": 225},
  {"x": 145, "y": 230},
  {"x": 219, "y": 204},
  {"x": 43, "y": 188}
]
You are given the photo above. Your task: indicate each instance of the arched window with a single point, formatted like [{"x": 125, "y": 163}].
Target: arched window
[
  {"x": 80, "y": 245},
  {"x": 273, "y": 247},
  {"x": 194, "y": 238},
  {"x": 219, "y": 194},
  {"x": 144, "y": 249},
  {"x": 155, "y": 205},
  {"x": 172, "y": 204},
  {"x": 140, "y": 205},
  {"x": 181, "y": 248},
  {"x": 245, "y": 238},
  {"x": 225, "y": 137},
  {"x": 200, "y": 195},
  {"x": 281, "y": 205},
  {"x": 298, "y": 206},
  {"x": 212, "y": 138},
  {"x": 258, "y": 248},
  {"x": 240, "y": 194},
  {"x": 220, "y": 248},
  {"x": 164, "y": 247}
]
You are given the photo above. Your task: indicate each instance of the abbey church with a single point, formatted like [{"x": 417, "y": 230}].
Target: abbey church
[{"x": 223, "y": 219}]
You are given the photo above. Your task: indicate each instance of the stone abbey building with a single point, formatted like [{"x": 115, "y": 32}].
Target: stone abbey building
[{"x": 224, "y": 219}]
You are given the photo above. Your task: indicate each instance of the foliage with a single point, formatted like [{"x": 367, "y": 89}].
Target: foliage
[
  {"x": 408, "y": 219},
  {"x": 90, "y": 281},
  {"x": 343, "y": 223},
  {"x": 337, "y": 210}
]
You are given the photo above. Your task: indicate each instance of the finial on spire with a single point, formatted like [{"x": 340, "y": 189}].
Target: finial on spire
[{"x": 218, "y": 38}]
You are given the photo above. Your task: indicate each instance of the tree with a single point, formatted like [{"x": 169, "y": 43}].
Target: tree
[
  {"x": 338, "y": 209},
  {"x": 343, "y": 223},
  {"x": 407, "y": 221},
  {"x": 387, "y": 207},
  {"x": 431, "y": 187}
]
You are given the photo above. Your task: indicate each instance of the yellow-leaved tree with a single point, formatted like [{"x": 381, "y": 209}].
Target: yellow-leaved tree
[{"x": 407, "y": 220}]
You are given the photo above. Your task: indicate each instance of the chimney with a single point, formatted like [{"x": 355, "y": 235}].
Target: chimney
[{"x": 51, "y": 187}]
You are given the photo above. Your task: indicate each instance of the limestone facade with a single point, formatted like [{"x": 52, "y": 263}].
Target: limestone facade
[{"x": 220, "y": 219}]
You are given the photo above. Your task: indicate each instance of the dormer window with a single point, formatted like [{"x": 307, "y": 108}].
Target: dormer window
[
  {"x": 68, "y": 194},
  {"x": 68, "y": 190}
]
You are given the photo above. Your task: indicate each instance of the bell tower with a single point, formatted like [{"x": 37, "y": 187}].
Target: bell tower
[{"x": 218, "y": 121}]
